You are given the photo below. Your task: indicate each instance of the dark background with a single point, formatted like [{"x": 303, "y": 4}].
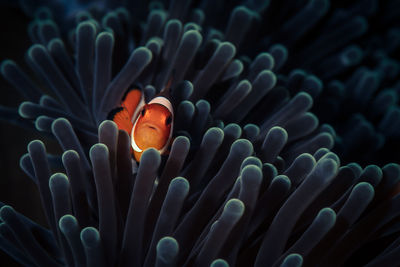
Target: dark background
[{"x": 16, "y": 189}]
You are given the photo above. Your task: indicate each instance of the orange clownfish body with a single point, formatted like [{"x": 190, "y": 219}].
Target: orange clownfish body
[{"x": 149, "y": 125}]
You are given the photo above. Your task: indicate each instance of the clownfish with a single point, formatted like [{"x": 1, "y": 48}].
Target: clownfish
[{"x": 150, "y": 125}]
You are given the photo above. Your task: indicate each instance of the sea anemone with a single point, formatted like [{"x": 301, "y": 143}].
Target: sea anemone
[{"x": 250, "y": 178}]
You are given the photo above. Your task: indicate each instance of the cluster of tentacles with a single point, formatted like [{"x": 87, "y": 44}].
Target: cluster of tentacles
[{"x": 252, "y": 177}]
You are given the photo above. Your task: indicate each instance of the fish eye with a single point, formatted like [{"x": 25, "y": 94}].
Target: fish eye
[
  {"x": 143, "y": 112},
  {"x": 168, "y": 120}
]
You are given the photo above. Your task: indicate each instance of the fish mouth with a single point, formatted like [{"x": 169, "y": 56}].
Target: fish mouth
[
  {"x": 147, "y": 129},
  {"x": 151, "y": 126}
]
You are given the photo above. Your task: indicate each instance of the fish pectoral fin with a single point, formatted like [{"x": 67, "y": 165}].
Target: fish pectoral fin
[{"x": 122, "y": 118}]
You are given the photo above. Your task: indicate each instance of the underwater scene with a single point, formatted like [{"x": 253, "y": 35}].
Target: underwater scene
[{"x": 200, "y": 133}]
